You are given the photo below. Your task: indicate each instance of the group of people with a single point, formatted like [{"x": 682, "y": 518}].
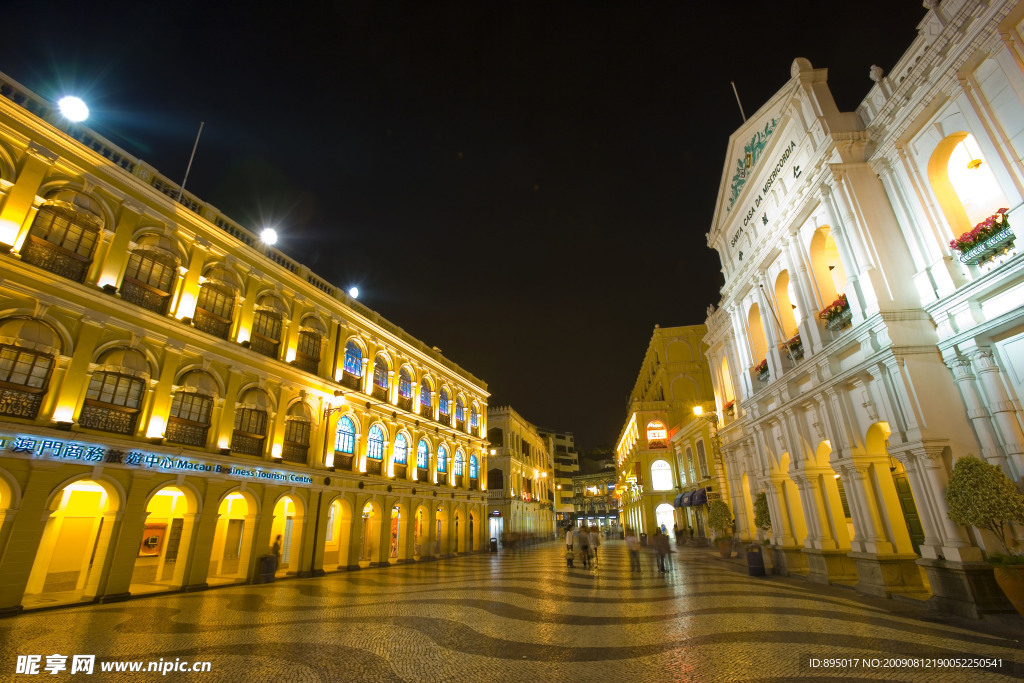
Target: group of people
[
  {"x": 661, "y": 547},
  {"x": 583, "y": 543}
]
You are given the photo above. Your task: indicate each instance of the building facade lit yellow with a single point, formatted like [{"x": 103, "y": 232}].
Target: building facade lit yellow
[
  {"x": 175, "y": 395},
  {"x": 521, "y": 482}
]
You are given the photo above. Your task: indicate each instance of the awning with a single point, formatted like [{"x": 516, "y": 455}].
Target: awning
[
  {"x": 700, "y": 497},
  {"x": 684, "y": 499},
  {"x": 678, "y": 502}
]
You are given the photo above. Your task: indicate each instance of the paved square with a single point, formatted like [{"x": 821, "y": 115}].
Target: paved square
[{"x": 515, "y": 617}]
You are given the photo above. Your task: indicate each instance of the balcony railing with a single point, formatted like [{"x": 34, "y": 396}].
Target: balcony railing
[
  {"x": 442, "y": 477},
  {"x": 307, "y": 363},
  {"x": 107, "y": 418},
  {"x": 144, "y": 296},
  {"x": 211, "y": 323},
  {"x": 264, "y": 346},
  {"x": 294, "y": 452},
  {"x": 404, "y": 403},
  {"x": 401, "y": 471},
  {"x": 458, "y": 481},
  {"x": 351, "y": 381},
  {"x": 373, "y": 466},
  {"x": 186, "y": 432},
  {"x": 246, "y": 444},
  {"x": 445, "y": 419},
  {"x": 20, "y": 402},
  {"x": 379, "y": 393},
  {"x": 55, "y": 259},
  {"x": 342, "y": 462}
]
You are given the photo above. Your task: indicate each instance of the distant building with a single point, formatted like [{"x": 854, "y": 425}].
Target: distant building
[
  {"x": 673, "y": 379},
  {"x": 594, "y": 500},
  {"x": 520, "y": 481},
  {"x": 567, "y": 466}
]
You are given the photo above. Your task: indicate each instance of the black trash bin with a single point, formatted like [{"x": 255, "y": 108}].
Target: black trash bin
[
  {"x": 755, "y": 561},
  {"x": 643, "y": 540},
  {"x": 268, "y": 565},
  {"x": 494, "y": 545}
]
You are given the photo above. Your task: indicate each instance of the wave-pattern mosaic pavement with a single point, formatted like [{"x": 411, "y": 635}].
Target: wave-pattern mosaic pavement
[{"x": 519, "y": 616}]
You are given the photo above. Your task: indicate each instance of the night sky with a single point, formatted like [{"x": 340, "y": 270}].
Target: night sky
[{"x": 525, "y": 185}]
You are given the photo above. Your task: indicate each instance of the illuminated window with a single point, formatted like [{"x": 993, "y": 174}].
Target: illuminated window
[
  {"x": 353, "y": 359},
  {"x": 425, "y": 398},
  {"x": 380, "y": 372},
  {"x": 442, "y": 459},
  {"x": 423, "y": 455},
  {"x": 474, "y": 417},
  {"x": 401, "y": 450},
  {"x": 689, "y": 460},
  {"x": 444, "y": 404},
  {"x": 345, "y": 436},
  {"x": 702, "y": 460},
  {"x": 661, "y": 476},
  {"x": 404, "y": 384},
  {"x": 474, "y": 467},
  {"x": 457, "y": 469},
  {"x": 459, "y": 409},
  {"x": 375, "y": 443}
]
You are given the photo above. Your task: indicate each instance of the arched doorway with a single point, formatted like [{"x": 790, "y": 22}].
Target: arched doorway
[
  {"x": 232, "y": 539},
  {"x": 369, "y": 548},
  {"x": 163, "y": 550},
  {"x": 420, "y": 532},
  {"x": 826, "y": 266},
  {"x": 460, "y": 543},
  {"x": 339, "y": 523},
  {"x": 963, "y": 182},
  {"x": 441, "y": 521},
  {"x": 755, "y": 334},
  {"x": 396, "y": 533},
  {"x": 288, "y": 525},
  {"x": 900, "y": 494},
  {"x": 474, "y": 529},
  {"x": 666, "y": 516},
  {"x": 74, "y": 544}
]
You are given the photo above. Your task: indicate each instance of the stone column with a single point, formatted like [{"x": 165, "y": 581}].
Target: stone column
[
  {"x": 355, "y": 534},
  {"x": 114, "y": 585},
  {"x": 188, "y": 292},
  {"x": 248, "y": 304},
  {"x": 113, "y": 263},
  {"x": 966, "y": 382},
  {"x": 76, "y": 379},
  {"x": 17, "y": 204},
  {"x": 1004, "y": 411}
]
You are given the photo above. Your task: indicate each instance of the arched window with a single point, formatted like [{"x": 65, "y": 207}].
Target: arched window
[
  {"x": 345, "y": 436},
  {"x": 191, "y": 408},
  {"x": 250, "y": 423},
  {"x": 702, "y": 460},
  {"x": 380, "y": 377},
  {"x": 963, "y": 182},
  {"x": 661, "y": 476},
  {"x": 444, "y": 408},
  {"x": 826, "y": 266},
  {"x": 474, "y": 419},
  {"x": 114, "y": 396},
  {"x": 788, "y": 312},
  {"x": 401, "y": 450},
  {"x": 353, "y": 367},
  {"x": 307, "y": 352},
  {"x": 423, "y": 455},
  {"x": 457, "y": 467},
  {"x": 459, "y": 416},
  {"x": 442, "y": 459},
  {"x": 296, "y": 433},
  {"x": 425, "y": 407},
  {"x": 152, "y": 270},
  {"x": 64, "y": 235},
  {"x": 267, "y": 322},
  {"x": 404, "y": 384},
  {"x": 474, "y": 466},
  {"x": 375, "y": 443},
  {"x": 755, "y": 333},
  {"x": 27, "y": 352}
]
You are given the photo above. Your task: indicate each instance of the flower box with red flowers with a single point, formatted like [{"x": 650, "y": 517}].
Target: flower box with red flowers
[
  {"x": 796, "y": 348},
  {"x": 987, "y": 240},
  {"x": 730, "y": 408},
  {"x": 762, "y": 370},
  {"x": 837, "y": 314}
]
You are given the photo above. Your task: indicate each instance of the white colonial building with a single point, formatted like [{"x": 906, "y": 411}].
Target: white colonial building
[{"x": 855, "y": 353}]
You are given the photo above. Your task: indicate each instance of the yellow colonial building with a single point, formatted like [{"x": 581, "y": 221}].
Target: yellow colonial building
[
  {"x": 651, "y": 475},
  {"x": 521, "y": 482},
  {"x": 176, "y": 395}
]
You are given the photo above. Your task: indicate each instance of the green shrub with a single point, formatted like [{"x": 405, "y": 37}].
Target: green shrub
[
  {"x": 720, "y": 519},
  {"x": 980, "y": 495},
  {"x": 762, "y": 516}
]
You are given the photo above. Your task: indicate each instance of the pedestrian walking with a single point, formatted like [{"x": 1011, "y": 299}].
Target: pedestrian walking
[
  {"x": 633, "y": 546},
  {"x": 595, "y": 542},
  {"x": 585, "y": 547},
  {"x": 662, "y": 548}
]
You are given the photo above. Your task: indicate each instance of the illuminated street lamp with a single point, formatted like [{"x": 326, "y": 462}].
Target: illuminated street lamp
[
  {"x": 268, "y": 236},
  {"x": 73, "y": 108},
  {"x": 353, "y": 292}
]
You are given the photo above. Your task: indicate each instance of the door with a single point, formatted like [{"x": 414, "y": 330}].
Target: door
[{"x": 913, "y": 520}]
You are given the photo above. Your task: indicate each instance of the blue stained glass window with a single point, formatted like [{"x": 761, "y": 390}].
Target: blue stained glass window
[
  {"x": 425, "y": 397},
  {"x": 401, "y": 450},
  {"x": 404, "y": 384},
  {"x": 474, "y": 467},
  {"x": 473, "y": 417},
  {"x": 380, "y": 372},
  {"x": 443, "y": 404},
  {"x": 422, "y": 455},
  {"x": 353, "y": 359},
  {"x": 375, "y": 443},
  {"x": 458, "y": 409},
  {"x": 457, "y": 469},
  {"x": 442, "y": 459},
  {"x": 345, "y": 436}
]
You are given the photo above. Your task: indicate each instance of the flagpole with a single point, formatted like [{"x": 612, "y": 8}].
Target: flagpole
[
  {"x": 737, "y": 93},
  {"x": 189, "y": 167}
]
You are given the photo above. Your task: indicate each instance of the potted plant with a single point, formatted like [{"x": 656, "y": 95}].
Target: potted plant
[
  {"x": 986, "y": 240},
  {"x": 795, "y": 347},
  {"x": 980, "y": 495},
  {"x": 763, "y": 521},
  {"x": 837, "y": 314},
  {"x": 720, "y": 522},
  {"x": 762, "y": 370}
]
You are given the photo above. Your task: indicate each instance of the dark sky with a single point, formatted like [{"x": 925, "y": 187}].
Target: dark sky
[{"x": 525, "y": 185}]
